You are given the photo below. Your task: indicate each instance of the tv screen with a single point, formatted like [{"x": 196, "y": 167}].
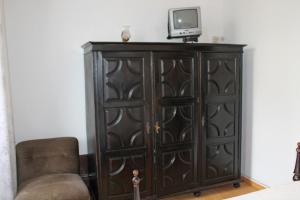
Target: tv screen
[{"x": 185, "y": 19}]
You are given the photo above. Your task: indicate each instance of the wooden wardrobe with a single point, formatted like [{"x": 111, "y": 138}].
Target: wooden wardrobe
[{"x": 172, "y": 111}]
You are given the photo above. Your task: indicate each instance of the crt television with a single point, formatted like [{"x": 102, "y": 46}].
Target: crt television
[{"x": 184, "y": 22}]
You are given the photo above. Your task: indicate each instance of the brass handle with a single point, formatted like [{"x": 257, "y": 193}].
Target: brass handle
[{"x": 156, "y": 127}]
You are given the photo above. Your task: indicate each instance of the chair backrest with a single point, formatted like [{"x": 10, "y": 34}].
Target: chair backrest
[{"x": 46, "y": 156}]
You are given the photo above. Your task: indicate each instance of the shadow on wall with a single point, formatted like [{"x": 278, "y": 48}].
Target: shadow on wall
[{"x": 247, "y": 116}]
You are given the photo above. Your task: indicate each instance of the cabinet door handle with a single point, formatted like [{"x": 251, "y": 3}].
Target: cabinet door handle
[{"x": 156, "y": 127}]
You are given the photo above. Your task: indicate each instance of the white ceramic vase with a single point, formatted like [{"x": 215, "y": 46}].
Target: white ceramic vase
[{"x": 125, "y": 34}]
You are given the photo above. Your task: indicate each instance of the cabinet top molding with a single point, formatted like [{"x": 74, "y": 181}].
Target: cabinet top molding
[{"x": 161, "y": 46}]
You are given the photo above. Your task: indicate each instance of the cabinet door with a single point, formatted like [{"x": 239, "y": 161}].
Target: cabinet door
[
  {"x": 221, "y": 148},
  {"x": 124, "y": 134},
  {"x": 176, "y": 141}
]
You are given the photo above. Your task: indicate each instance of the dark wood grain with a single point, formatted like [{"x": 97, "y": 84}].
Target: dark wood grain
[
  {"x": 140, "y": 46},
  {"x": 221, "y": 118},
  {"x": 175, "y": 105},
  {"x": 172, "y": 111}
]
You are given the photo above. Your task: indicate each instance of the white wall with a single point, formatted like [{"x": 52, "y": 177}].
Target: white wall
[
  {"x": 46, "y": 61},
  {"x": 271, "y": 120},
  {"x": 44, "y": 39}
]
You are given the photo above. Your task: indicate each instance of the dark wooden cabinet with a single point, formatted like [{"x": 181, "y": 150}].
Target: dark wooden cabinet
[
  {"x": 175, "y": 114},
  {"x": 171, "y": 111}
]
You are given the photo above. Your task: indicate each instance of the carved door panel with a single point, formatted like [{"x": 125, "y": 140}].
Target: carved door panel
[
  {"x": 221, "y": 117},
  {"x": 176, "y": 142},
  {"x": 126, "y": 142}
]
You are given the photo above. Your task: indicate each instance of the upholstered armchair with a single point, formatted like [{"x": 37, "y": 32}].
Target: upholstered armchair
[{"x": 48, "y": 169}]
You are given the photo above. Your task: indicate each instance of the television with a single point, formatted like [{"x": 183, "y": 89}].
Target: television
[{"x": 184, "y": 22}]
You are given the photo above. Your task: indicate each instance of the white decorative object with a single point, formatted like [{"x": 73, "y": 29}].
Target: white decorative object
[
  {"x": 7, "y": 144},
  {"x": 126, "y": 33},
  {"x": 217, "y": 39}
]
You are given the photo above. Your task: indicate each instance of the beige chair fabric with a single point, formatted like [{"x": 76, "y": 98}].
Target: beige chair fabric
[
  {"x": 48, "y": 170},
  {"x": 54, "y": 186}
]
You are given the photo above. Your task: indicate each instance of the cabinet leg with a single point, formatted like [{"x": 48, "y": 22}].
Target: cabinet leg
[
  {"x": 197, "y": 194},
  {"x": 236, "y": 185}
]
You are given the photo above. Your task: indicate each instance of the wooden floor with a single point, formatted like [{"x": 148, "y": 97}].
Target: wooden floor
[{"x": 220, "y": 193}]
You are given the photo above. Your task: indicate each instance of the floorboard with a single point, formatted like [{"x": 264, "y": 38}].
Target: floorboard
[{"x": 219, "y": 193}]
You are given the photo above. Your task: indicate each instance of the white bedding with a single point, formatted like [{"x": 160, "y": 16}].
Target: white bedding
[{"x": 285, "y": 192}]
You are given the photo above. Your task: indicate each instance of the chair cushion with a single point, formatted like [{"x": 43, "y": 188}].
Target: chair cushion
[
  {"x": 54, "y": 187},
  {"x": 37, "y": 158}
]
